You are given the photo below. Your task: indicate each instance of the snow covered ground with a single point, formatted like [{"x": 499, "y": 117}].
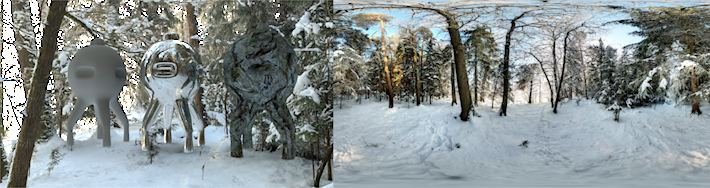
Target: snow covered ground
[
  {"x": 426, "y": 146},
  {"x": 125, "y": 165}
]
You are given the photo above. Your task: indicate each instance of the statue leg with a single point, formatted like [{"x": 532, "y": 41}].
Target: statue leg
[
  {"x": 184, "y": 114},
  {"x": 286, "y": 127},
  {"x": 121, "y": 116},
  {"x": 200, "y": 126},
  {"x": 236, "y": 132},
  {"x": 99, "y": 128},
  {"x": 167, "y": 122},
  {"x": 74, "y": 116},
  {"x": 246, "y": 130},
  {"x": 148, "y": 119},
  {"x": 104, "y": 120},
  {"x": 168, "y": 135}
]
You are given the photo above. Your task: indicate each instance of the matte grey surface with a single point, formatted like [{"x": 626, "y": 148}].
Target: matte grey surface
[{"x": 96, "y": 77}]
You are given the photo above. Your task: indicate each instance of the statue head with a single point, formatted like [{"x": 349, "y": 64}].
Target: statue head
[
  {"x": 97, "y": 71},
  {"x": 260, "y": 66},
  {"x": 169, "y": 64}
]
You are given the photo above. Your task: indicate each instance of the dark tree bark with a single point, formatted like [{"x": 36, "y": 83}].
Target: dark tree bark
[
  {"x": 460, "y": 65},
  {"x": 460, "y": 62},
  {"x": 562, "y": 74},
  {"x": 2, "y": 96},
  {"x": 549, "y": 84},
  {"x": 694, "y": 89},
  {"x": 321, "y": 168},
  {"x": 475, "y": 80},
  {"x": 506, "y": 65},
  {"x": 453, "y": 84},
  {"x": 417, "y": 82},
  {"x": 564, "y": 62},
  {"x": 31, "y": 125},
  {"x": 190, "y": 30},
  {"x": 530, "y": 93},
  {"x": 554, "y": 72}
]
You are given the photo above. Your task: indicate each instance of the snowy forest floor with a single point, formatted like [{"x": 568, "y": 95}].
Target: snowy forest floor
[
  {"x": 581, "y": 146},
  {"x": 124, "y": 164}
]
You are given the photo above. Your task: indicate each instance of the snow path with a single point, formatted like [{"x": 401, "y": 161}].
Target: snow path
[
  {"x": 124, "y": 164},
  {"x": 580, "y": 146}
]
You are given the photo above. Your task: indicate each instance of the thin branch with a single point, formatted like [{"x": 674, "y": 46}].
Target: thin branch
[{"x": 86, "y": 27}]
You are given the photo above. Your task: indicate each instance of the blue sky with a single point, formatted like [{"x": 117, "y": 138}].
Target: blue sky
[{"x": 616, "y": 35}]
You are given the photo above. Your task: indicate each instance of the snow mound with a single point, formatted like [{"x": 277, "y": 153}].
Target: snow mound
[
  {"x": 427, "y": 146},
  {"x": 124, "y": 164}
]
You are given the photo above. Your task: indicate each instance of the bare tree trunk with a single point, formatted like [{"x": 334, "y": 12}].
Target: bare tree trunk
[
  {"x": 495, "y": 90},
  {"x": 554, "y": 92},
  {"x": 530, "y": 94},
  {"x": 388, "y": 78},
  {"x": 475, "y": 80},
  {"x": 2, "y": 94},
  {"x": 31, "y": 125},
  {"x": 694, "y": 89},
  {"x": 460, "y": 62},
  {"x": 564, "y": 62},
  {"x": 23, "y": 51},
  {"x": 506, "y": 65},
  {"x": 584, "y": 78},
  {"x": 190, "y": 36},
  {"x": 328, "y": 156},
  {"x": 453, "y": 85},
  {"x": 549, "y": 84},
  {"x": 417, "y": 82},
  {"x": 562, "y": 74},
  {"x": 329, "y": 141}
]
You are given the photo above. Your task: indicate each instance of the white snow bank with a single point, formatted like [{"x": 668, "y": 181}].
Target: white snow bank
[
  {"x": 581, "y": 146},
  {"x": 125, "y": 165},
  {"x": 219, "y": 116},
  {"x": 687, "y": 63}
]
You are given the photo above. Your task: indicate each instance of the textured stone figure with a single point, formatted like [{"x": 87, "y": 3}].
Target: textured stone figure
[
  {"x": 96, "y": 76},
  {"x": 169, "y": 71},
  {"x": 260, "y": 71}
]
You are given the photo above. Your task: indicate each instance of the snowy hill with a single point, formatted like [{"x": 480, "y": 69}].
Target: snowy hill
[
  {"x": 425, "y": 146},
  {"x": 125, "y": 165}
]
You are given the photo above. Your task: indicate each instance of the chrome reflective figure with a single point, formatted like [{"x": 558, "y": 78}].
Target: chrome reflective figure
[
  {"x": 169, "y": 71},
  {"x": 96, "y": 77}
]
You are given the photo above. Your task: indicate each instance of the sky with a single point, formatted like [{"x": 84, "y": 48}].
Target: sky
[{"x": 615, "y": 35}]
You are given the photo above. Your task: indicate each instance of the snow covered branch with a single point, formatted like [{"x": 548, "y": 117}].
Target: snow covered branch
[{"x": 83, "y": 24}]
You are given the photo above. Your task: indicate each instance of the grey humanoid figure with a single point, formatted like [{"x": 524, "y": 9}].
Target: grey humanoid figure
[
  {"x": 96, "y": 77},
  {"x": 169, "y": 72},
  {"x": 260, "y": 71}
]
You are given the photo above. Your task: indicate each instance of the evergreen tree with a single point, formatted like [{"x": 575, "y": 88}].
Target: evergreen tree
[{"x": 481, "y": 53}]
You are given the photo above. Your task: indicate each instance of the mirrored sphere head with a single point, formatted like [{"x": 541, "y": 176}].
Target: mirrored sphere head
[{"x": 168, "y": 65}]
